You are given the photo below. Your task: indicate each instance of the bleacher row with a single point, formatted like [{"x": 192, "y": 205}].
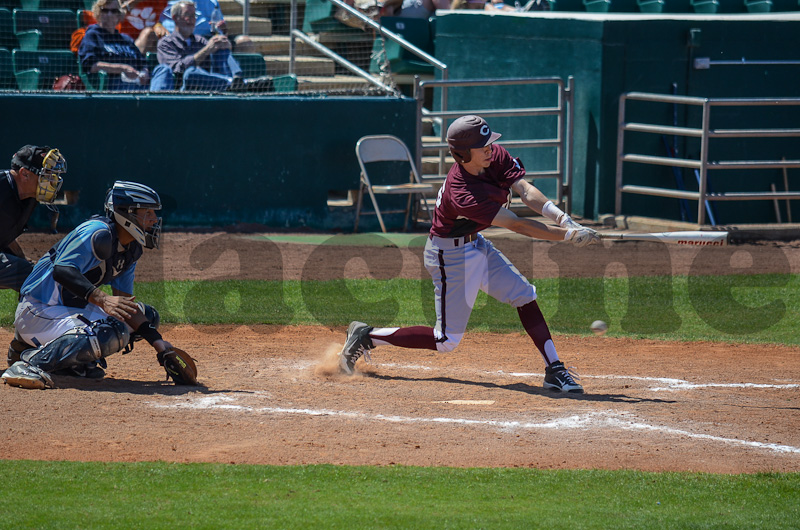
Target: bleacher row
[
  {"x": 35, "y": 50},
  {"x": 35, "y": 35}
]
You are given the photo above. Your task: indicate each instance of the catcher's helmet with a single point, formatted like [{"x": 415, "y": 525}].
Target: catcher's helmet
[
  {"x": 121, "y": 202},
  {"x": 469, "y": 132},
  {"x": 46, "y": 163}
]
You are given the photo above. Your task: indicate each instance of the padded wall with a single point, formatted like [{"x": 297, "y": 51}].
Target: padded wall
[{"x": 215, "y": 161}]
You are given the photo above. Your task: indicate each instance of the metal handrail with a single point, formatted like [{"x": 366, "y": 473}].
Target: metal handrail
[
  {"x": 562, "y": 141},
  {"x": 702, "y": 165},
  {"x": 296, "y": 33}
]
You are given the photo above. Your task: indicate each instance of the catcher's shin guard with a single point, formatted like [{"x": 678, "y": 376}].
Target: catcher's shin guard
[{"x": 80, "y": 346}]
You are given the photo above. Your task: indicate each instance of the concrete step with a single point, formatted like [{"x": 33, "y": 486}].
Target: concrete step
[
  {"x": 333, "y": 82},
  {"x": 303, "y": 65},
  {"x": 258, "y": 25},
  {"x": 279, "y": 45}
]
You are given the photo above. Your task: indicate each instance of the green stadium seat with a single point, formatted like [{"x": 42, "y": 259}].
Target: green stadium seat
[
  {"x": 417, "y": 31},
  {"x": 758, "y": 6},
  {"x": 253, "y": 64},
  {"x": 285, "y": 83},
  {"x": 37, "y": 70},
  {"x": 92, "y": 82},
  {"x": 319, "y": 17},
  {"x": 651, "y": 6},
  {"x": 705, "y": 6},
  {"x": 7, "y": 80},
  {"x": 72, "y": 5},
  {"x": 54, "y": 28},
  {"x": 9, "y": 4},
  {"x": 7, "y": 38},
  {"x": 152, "y": 61},
  {"x": 597, "y": 6}
]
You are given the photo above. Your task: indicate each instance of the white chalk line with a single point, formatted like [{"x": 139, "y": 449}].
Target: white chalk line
[
  {"x": 672, "y": 385},
  {"x": 591, "y": 420}
]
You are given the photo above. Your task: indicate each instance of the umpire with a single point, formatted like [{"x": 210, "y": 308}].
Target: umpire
[{"x": 34, "y": 177}]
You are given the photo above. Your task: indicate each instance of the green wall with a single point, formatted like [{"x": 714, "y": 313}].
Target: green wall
[
  {"x": 215, "y": 161},
  {"x": 612, "y": 54}
]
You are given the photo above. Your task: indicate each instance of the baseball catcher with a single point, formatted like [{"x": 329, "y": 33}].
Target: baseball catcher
[
  {"x": 66, "y": 325},
  {"x": 461, "y": 261}
]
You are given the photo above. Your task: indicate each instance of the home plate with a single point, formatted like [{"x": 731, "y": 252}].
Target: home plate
[{"x": 468, "y": 402}]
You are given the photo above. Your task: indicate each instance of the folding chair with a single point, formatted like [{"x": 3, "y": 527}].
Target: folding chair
[{"x": 387, "y": 148}]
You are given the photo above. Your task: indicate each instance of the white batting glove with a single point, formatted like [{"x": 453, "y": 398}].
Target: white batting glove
[
  {"x": 567, "y": 222},
  {"x": 582, "y": 237}
]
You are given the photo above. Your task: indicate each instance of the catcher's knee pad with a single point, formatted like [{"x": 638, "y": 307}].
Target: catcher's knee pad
[{"x": 80, "y": 345}]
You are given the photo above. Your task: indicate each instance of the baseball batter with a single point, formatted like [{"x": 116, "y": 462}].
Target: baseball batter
[
  {"x": 461, "y": 261},
  {"x": 64, "y": 322}
]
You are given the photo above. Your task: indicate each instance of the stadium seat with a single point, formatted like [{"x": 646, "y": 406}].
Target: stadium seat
[
  {"x": 758, "y": 6},
  {"x": 72, "y": 5},
  {"x": 597, "y": 6},
  {"x": 9, "y": 4},
  {"x": 152, "y": 61},
  {"x": 651, "y": 6},
  {"x": 253, "y": 64},
  {"x": 7, "y": 81},
  {"x": 37, "y": 70},
  {"x": 92, "y": 82},
  {"x": 7, "y": 38},
  {"x": 285, "y": 83},
  {"x": 705, "y": 6},
  {"x": 418, "y": 32},
  {"x": 44, "y": 29}
]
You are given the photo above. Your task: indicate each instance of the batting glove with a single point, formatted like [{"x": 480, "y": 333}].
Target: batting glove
[
  {"x": 567, "y": 222},
  {"x": 582, "y": 237}
]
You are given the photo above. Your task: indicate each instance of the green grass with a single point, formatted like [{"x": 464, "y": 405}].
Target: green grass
[
  {"x": 162, "y": 495},
  {"x": 737, "y": 308}
]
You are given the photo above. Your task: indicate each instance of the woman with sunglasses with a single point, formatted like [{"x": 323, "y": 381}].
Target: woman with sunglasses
[{"x": 106, "y": 49}]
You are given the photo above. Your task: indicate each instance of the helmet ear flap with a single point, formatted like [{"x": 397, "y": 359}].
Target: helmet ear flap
[{"x": 462, "y": 157}]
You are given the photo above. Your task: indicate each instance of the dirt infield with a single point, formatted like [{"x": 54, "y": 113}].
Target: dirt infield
[{"x": 271, "y": 395}]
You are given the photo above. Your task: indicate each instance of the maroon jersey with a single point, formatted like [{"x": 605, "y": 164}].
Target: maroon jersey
[{"x": 468, "y": 203}]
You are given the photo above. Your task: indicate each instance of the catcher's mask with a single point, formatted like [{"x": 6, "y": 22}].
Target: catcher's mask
[
  {"x": 469, "y": 132},
  {"x": 47, "y": 164},
  {"x": 122, "y": 201}
]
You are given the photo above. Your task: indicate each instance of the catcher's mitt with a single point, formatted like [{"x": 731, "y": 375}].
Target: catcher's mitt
[{"x": 179, "y": 366}]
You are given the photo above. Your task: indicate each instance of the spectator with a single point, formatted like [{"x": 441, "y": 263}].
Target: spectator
[
  {"x": 105, "y": 49},
  {"x": 141, "y": 23},
  {"x": 199, "y": 63},
  {"x": 209, "y": 21},
  {"x": 422, "y": 8}
]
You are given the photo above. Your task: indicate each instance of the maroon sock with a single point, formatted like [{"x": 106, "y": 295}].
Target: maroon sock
[
  {"x": 420, "y": 337},
  {"x": 533, "y": 322}
]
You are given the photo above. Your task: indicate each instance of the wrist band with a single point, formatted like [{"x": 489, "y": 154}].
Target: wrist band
[
  {"x": 149, "y": 333},
  {"x": 568, "y": 235},
  {"x": 551, "y": 211}
]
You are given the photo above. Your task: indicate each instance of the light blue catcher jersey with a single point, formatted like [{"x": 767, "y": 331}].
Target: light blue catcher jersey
[{"x": 76, "y": 250}]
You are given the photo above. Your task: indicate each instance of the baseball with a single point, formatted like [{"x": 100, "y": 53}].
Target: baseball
[{"x": 599, "y": 327}]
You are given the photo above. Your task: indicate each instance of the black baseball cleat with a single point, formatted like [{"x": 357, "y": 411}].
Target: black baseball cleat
[
  {"x": 357, "y": 344},
  {"x": 557, "y": 377}
]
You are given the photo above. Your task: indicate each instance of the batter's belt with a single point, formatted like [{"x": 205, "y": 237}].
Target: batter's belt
[{"x": 450, "y": 242}]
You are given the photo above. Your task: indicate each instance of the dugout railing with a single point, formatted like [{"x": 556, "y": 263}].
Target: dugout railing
[
  {"x": 560, "y": 141},
  {"x": 702, "y": 165}
]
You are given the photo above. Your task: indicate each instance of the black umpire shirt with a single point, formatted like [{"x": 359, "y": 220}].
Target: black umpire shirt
[{"x": 14, "y": 213}]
